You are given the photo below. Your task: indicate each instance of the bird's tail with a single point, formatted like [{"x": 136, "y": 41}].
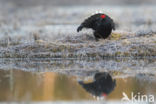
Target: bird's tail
[{"x": 79, "y": 28}]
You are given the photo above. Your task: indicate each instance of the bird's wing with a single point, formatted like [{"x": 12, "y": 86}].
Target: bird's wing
[{"x": 89, "y": 22}]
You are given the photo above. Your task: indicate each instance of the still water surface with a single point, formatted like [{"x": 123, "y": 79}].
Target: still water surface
[{"x": 27, "y": 85}]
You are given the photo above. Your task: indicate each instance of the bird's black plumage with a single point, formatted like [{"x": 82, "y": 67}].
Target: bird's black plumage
[
  {"x": 102, "y": 84},
  {"x": 102, "y": 25}
]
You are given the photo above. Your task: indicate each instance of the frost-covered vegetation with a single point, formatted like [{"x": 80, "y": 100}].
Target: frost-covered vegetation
[{"x": 51, "y": 32}]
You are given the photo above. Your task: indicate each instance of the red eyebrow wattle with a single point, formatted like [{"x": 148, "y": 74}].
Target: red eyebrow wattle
[{"x": 103, "y": 16}]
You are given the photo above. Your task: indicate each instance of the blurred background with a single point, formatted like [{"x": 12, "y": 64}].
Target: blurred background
[{"x": 78, "y": 2}]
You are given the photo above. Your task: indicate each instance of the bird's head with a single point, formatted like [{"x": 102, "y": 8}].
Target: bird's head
[{"x": 103, "y": 16}]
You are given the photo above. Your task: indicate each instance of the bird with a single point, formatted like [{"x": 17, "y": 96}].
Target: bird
[
  {"x": 101, "y": 23},
  {"x": 102, "y": 85}
]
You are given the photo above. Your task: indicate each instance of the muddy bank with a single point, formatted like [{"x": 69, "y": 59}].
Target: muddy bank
[
  {"x": 84, "y": 68},
  {"x": 85, "y": 46}
]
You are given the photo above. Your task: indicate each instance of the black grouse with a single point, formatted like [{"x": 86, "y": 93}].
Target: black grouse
[
  {"x": 102, "y": 25},
  {"x": 102, "y": 85}
]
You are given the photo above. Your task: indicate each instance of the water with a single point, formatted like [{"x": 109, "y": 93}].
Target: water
[
  {"x": 43, "y": 80},
  {"x": 17, "y": 85}
]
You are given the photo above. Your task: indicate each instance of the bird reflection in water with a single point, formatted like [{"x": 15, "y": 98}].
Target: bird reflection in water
[{"x": 102, "y": 85}]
